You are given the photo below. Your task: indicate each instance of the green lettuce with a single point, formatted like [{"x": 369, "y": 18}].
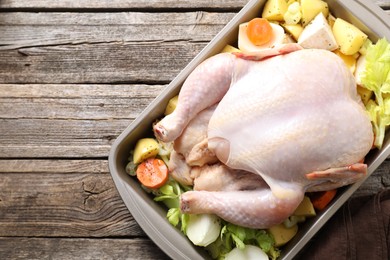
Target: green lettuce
[
  {"x": 376, "y": 77},
  {"x": 231, "y": 235}
]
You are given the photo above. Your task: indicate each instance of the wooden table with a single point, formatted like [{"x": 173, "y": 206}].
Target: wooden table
[{"x": 73, "y": 75}]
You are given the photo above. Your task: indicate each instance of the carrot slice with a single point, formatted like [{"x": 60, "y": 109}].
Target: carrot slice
[
  {"x": 152, "y": 173},
  {"x": 259, "y": 31},
  {"x": 321, "y": 199}
]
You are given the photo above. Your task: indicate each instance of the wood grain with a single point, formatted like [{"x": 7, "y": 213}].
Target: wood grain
[
  {"x": 120, "y": 4},
  {"x": 76, "y": 102},
  {"x": 115, "y": 4},
  {"x": 20, "y": 29},
  {"x": 79, "y": 248},
  {"x": 71, "y": 121},
  {"x": 61, "y": 198},
  {"x": 152, "y": 63}
]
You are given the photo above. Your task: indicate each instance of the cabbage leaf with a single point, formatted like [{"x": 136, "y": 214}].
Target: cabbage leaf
[{"x": 376, "y": 77}]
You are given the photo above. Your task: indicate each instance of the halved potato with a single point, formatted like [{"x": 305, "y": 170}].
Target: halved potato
[
  {"x": 145, "y": 148},
  {"x": 274, "y": 10},
  {"x": 172, "y": 103},
  {"x": 294, "y": 29},
  {"x": 311, "y": 8},
  {"x": 281, "y": 234},
  {"x": 305, "y": 209},
  {"x": 348, "y": 36}
]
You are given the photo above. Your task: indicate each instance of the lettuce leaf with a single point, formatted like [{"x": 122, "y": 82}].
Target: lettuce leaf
[
  {"x": 376, "y": 77},
  {"x": 231, "y": 235}
]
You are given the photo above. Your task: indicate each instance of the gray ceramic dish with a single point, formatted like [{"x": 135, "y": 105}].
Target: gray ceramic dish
[{"x": 151, "y": 216}]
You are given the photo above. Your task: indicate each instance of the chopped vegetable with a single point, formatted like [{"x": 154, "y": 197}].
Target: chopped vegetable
[
  {"x": 172, "y": 103},
  {"x": 349, "y": 60},
  {"x": 274, "y": 10},
  {"x": 360, "y": 67},
  {"x": 230, "y": 49},
  {"x": 376, "y": 77},
  {"x": 169, "y": 194},
  {"x": 282, "y": 234},
  {"x": 230, "y": 235},
  {"x": 145, "y": 148},
  {"x": 233, "y": 236},
  {"x": 248, "y": 253},
  {"x": 294, "y": 29},
  {"x": 366, "y": 44},
  {"x": 259, "y": 31},
  {"x": 348, "y": 36},
  {"x": 152, "y": 173},
  {"x": 321, "y": 199},
  {"x": 318, "y": 35},
  {"x": 246, "y": 45},
  {"x": 365, "y": 94},
  {"x": 203, "y": 229},
  {"x": 305, "y": 208},
  {"x": 293, "y": 220},
  {"x": 131, "y": 168},
  {"x": 293, "y": 14},
  {"x": 311, "y": 8}
]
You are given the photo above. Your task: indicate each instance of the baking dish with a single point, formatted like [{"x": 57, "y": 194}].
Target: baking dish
[{"x": 152, "y": 216}]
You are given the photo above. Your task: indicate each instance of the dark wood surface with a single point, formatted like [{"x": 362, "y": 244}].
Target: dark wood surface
[{"x": 73, "y": 75}]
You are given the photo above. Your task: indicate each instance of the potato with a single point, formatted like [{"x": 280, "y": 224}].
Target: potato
[
  {"x": 349, "y": 60},
  {"x": 274, "y": 10},
  {"x": 172, "y": 103},
  {"x": 294, "y": 29},
  {"x": 145, "y": 148},
  {"x": 305, "y": 209},
  {"x": 282, "y": 234},
  {"x": 289, "y": 2},
  {"x": 293, "y": 14},
  {"x": 331, "y": 20},
  {"x": 230, "y": 49},
  {"x": 365, "y": 94},
  {"x": 349, "y": 37},
  {"x": 311, "y": 8}
]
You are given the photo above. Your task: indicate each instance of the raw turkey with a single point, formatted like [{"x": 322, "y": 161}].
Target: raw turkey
[{"x": 289, "y": 116}]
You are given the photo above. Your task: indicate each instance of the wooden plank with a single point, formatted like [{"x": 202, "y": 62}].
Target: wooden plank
[
  {"x": 20, "y": 29},
  {"x": 79, "y": 248},
  {"x": 69, "y": 121},
  {"x": 68, "y": 47},
  {"x": 54, "y": 167},
  {"x": 77, "y": 102},
  {"x": 73, "y": 138},
  {"x": 120, "y": 4},
  {"x": 132, "y": 4},
  {"x": 61, "y": 198},
  {"x": 98, "y": 63}
]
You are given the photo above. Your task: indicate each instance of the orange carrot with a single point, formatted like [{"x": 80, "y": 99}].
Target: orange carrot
[
  {"x": 321, "y": 199},
  {"x": 152, "y": 173},
  {"x": 259, "y": 31}
]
